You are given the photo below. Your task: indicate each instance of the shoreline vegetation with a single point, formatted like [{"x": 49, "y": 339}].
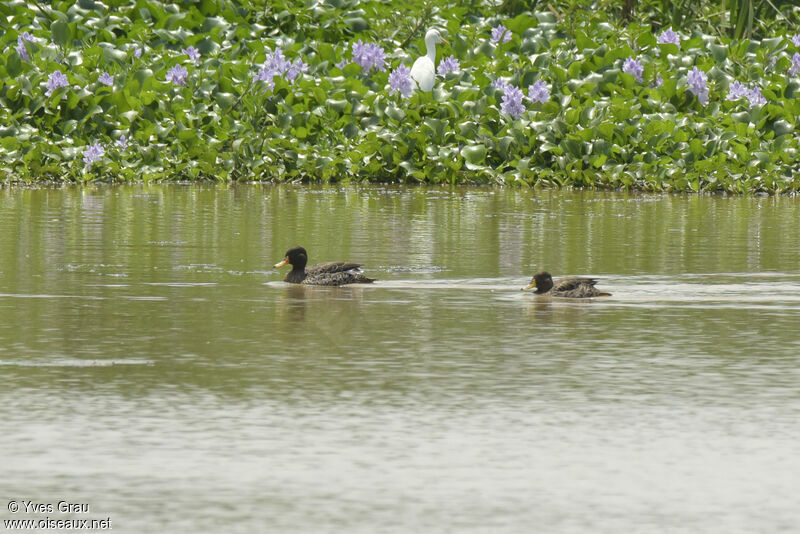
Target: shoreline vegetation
[{"x": 630, "y": 95}]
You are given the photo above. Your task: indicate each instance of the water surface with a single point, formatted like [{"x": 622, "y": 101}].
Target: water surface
[{"x": 155, "y": 367}]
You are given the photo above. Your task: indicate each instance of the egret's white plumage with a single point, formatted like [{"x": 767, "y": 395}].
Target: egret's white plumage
[{"x": 424, "y": 69}]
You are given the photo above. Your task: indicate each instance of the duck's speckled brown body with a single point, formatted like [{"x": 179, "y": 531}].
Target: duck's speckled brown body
[
  {"x": 573, "y": 288},
  {"x": 334, "y": 273}
]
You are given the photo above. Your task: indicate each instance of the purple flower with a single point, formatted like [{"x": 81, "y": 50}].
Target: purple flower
[
  {"x": 295, "y": 69},
  {"x": 771, "y": 62},
  {"x": 796, "y": 40},
  {"x": 106, "y": 79},
  {"x": 55, "y": 81},
  {"x": 698, "y": 85},
  {"x": 177, "y": 75},
  {"x": 276, "y": 62},
  {"x": 122, "y": 142},
  {"x": 755, "y": 97},
  {"x": 360, "y": 55},
  {"x": 378, "y": 58},
  {"x": 193, "y": 53},
  {"x": 539, "y": 92},
  {"x": 669, "y": 37},
  {"x": 369, "y": 56},
  {"x": 266, "y": 75},
  {"x": 22, "y": 50},
  {"x": 739, "y": 90},
  {"x": 795, "y": 68},
  {"x": 400, "y": 82},
  {"x": 634, "y": 68},
  {"x": 512, "y": 102},
  {"x": 342, "y": 64},
  {"x": 137, "y": 53},
  {"x": 500, "y": 84},
  {"x": 736, "y": 91},
  {"x": 500, "y": 34},
  {"x": 658, "y": 82},
  {"x": 93, "y": 153},
  {"x": 446, "y": 65}
]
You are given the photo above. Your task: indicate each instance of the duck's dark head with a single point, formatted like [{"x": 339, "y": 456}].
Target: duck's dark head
[
  {"x": 296, "y": 257},
  {"x": 542, "y": 281}
]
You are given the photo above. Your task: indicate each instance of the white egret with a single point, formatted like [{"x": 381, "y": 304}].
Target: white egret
[{"x": 424, "y": 70}]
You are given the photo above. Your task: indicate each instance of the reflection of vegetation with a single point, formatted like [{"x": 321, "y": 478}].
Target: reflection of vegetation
[{"x": 601, "y": 127}]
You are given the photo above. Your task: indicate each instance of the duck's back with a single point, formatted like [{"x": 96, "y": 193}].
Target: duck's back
[
  {"x": 339, "y": 278},
  {"x": 576, "y": 288},
  {"x": 331, "y": 267}
]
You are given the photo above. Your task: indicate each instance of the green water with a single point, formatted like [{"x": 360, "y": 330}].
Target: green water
[{"x": 156, "y": 368}]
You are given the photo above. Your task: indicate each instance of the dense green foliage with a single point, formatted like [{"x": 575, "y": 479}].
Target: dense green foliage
[{"x": 601, "y": 127}]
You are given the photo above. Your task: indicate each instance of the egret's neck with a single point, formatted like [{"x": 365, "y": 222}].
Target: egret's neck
[{"x": 430, "y": 45}]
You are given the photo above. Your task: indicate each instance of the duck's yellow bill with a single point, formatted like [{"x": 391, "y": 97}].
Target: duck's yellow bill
[
  {"x": 284, "y": 262},
  {"x": 530, "y": 286}
]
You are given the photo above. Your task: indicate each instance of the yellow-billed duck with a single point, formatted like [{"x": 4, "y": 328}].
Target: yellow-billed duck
[
  {"x": 334, "y": 273},
  {"x": 574, "y": 288}
]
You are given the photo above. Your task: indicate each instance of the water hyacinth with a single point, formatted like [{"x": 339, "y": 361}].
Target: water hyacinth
[
  {"x": 21, "y": 49},
  {"x": 369, "y": 56},
  {"x": 400, "y": 82},
  {"x": 658, "y": 82},
  {"x": 669, "y": 37},
  {"x": 512, "y": 102},
  {"x": 296, "y": 68},
  {"x": 698, "y": 85},
  {"x": 500, "y": 84},
  {"x": 796, "y": 40},
  {"x": 93, "y": 153},
  {"x": 500, "y": 34},
  {"x": 634, "y": 68},
  {"x": 193, "y": 53},
  {"x": 122, "y": 142},
  {"x": 55, "y": 81},
  {"x": 342, "y": 64},
  {"x": 755, "y": 97},
  {"x": 795, "y": 68},
  {"x": 177, "y": 75},
  {"x": 539, "y": 92},
  {"x": 446, "y": 65},
  {"x": 277, "y": 62},
  {"x": 106, "y": 79},
  {"x": 137, "y": 53},
  {"x": 736, "y": 91},
  {"x": 267, "y": 75}
]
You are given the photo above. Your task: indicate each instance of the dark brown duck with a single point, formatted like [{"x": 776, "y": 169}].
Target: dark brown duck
[
  {"x": 334, "y": 273},
  {"x": 573, "y": 288}
]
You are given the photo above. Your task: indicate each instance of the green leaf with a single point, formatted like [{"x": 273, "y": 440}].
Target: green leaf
[
  {"x": 327, "y": 53},
  {"x": 782, "y": 127},
  {"x": 474, "y": 154},
  {"x": 719, "y": 52},
  {"x": 696, "y": 146},
  {"x": 357, "y": 24},
  {"x": 520, "y": 23},
  {"x": 395, "y": 113},
  {"x": 61, "y": 32},
  {"x": 225, "y": 100},
  {"x": 599, "y": 160}
]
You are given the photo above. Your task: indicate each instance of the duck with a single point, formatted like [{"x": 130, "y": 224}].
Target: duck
[
  {"x": 334, "y": 273},
  {"x": 574, "y": 288},
  {"x": 423, "y": 71}
]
